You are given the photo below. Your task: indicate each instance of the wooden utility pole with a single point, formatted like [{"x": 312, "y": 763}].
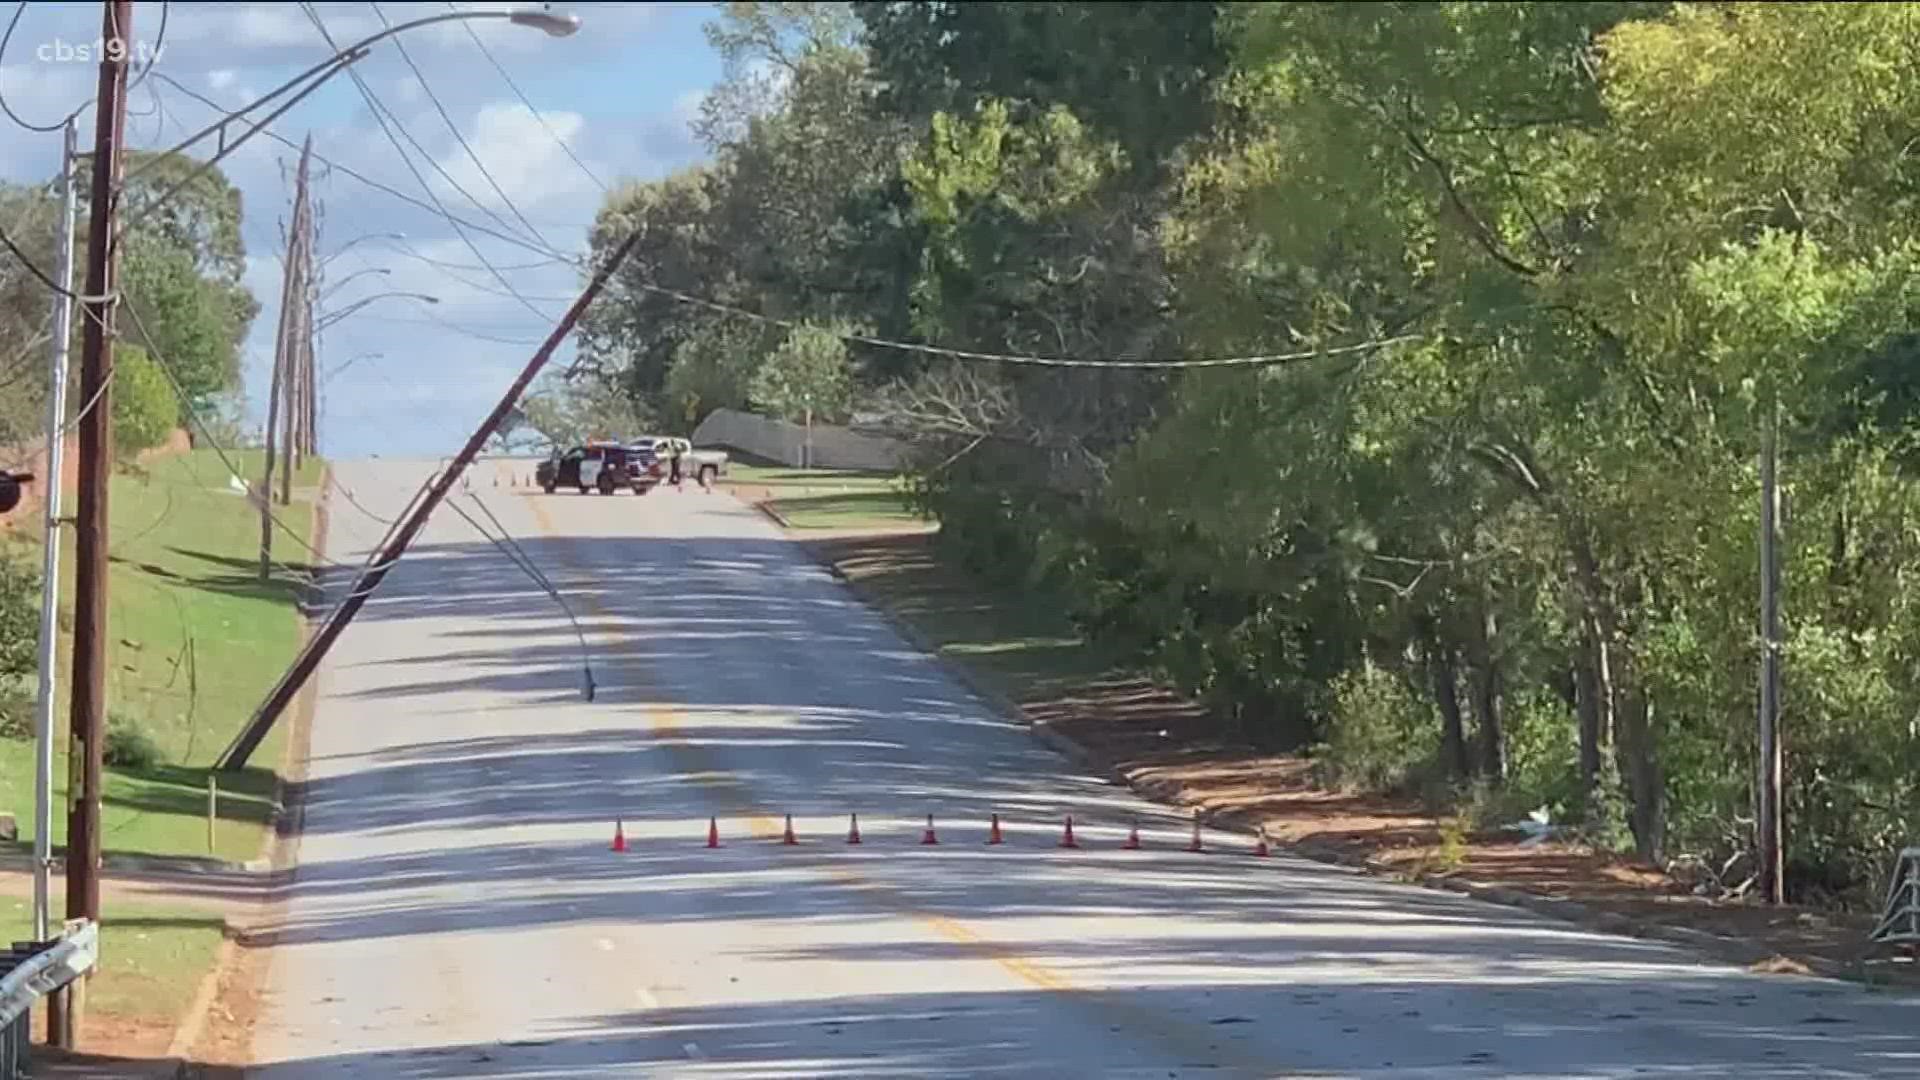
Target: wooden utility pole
[
  {"x": 298, "y": 281},
  {"x": 95, "y": 466},
  {"x": 1772, "y": 858},
  {"x": 292, "y": 294}
]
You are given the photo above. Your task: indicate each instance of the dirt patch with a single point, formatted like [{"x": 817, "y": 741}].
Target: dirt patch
[{"x": 1174, "y": 751}]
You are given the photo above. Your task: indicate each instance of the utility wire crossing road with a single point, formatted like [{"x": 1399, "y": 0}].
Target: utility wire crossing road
[{"x": 458, "y": 912}]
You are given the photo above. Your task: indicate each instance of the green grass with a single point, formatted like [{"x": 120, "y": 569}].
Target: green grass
[
  {"x": 195, "y": 640},
  {"x": 829, "y": 498},
  {"x": 152, "y": 958},
  {"x": 1019, "y": 641}
]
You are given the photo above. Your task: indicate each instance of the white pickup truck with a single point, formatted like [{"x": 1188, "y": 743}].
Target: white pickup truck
[{"x": 705, "y": 466}]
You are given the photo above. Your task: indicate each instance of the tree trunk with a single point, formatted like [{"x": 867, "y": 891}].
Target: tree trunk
[
  {"x": 1640, "y": 766},
  {"x": 1446, "y": 692},
  {"x": 1488, "y": 688},
  {"x": 1590, "y": 704}
]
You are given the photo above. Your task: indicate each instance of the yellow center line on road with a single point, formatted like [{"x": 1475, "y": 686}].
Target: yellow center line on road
[{"x": 699, "y": 764}]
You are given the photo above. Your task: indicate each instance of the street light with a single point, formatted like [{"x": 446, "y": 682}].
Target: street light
[
  {"x": 357, "y": 273},
  {"x": 360, "y": 239},
  {"x": 329, "y": 320}
]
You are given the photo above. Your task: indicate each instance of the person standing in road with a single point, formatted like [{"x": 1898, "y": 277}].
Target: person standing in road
[{"x": 673, "y": 462}]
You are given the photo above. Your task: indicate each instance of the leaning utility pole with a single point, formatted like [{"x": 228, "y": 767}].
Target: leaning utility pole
[
  {"x": 235, "y": 756},
  {"x": 1772, "y": 858},
  {"x": 292, "y": 289},
  {"x": 86, "y": 750}
]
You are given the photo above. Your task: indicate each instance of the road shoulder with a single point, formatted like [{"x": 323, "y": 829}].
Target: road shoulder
[{"x": 1169, "y": 750}]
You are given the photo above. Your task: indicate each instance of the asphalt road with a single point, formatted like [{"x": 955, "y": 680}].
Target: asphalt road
[{"x": 458, "y": 912}]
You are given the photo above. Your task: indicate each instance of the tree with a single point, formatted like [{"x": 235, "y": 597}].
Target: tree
[
  {"x": 1139, "y": 73},
  {"x": 183, "y": 263},
  {"x": 713, "y": 369},
  {"x": 806, "y": 377},
  {"x": 145, "y": 408},
  {"x": 568, "y": 412},
  {"x": 25, "y": 313},
  {"x": 190, "y": 318}
]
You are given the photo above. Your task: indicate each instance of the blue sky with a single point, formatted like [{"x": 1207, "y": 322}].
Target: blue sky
[{"x": 620, "y": 94}]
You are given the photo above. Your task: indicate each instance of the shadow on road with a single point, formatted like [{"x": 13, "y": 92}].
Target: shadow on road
[{"x": 736, "y": 678}]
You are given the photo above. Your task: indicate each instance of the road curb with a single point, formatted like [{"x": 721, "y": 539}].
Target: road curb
[{"x": 187, "y": 1033}]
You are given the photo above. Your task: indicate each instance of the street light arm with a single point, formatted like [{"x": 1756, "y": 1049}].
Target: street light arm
[
  {"x": 344, "y": 248},
  {"x": 329, "y": 319},
  {"x": 339, "y": 63},
  {"x": 342, "y": 283}
]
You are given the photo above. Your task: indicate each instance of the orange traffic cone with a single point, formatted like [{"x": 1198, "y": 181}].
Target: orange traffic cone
[
  {"x": 853, "y": 829},
  {"x": 929, "y": 838},
  {"x": 789, "y": 839},
  {"x": 1133, "y": 839},
  {"x": 619, "y": 836},
  {"x": 1260, "y": 845},
  {"x": 1067, "y": 840},
  {"x": 993, "y": 835},
  {"x": 713, "y": 832},
  {"x": 1196, "y": 845}
]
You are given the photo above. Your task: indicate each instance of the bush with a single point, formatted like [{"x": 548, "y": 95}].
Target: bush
[
  {"x": 129, "y": 747},
  {"x": 145, "y": 408},
  {"x": 19, "y": 618},
  {"x": 16, "y": 711},
  {"x": 1382, "y": 733}
]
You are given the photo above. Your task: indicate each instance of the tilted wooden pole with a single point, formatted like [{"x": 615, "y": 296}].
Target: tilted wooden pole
[{"x": 236, "y": 754}]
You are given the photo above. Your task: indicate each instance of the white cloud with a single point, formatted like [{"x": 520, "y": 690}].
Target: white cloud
[
  {"x": 522, "y": 156},
  {"x": 407, "y": 91},
  {"x": 221, "y": 78}
]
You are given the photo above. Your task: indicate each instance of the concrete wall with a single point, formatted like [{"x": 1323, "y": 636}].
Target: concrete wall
[{"x": 776, "y": 440}]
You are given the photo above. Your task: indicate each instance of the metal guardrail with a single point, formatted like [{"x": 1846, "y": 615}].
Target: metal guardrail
[{"x": 31, "y": 970}]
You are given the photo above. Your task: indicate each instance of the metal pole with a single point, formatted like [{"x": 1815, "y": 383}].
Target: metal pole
[
  {"x": 50, "y": 558},
  {"x": 1772, "y": 860},
  {"x": 235, "y": 756},
  {"x": 90, "y": 522}
]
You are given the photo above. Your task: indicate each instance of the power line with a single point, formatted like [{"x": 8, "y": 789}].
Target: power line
[
  {"x": 455, "y": 129},
  {"x": 537, "y": 115},
  {"x": 374, "y": 104},
  {"x": 470, "y": 268},
  {"x": 47, "y": 280},
  {"x": 552, "y": 254},
  {"x": 1258, "y": 360},
  {"x": 166, "y": 369},
  {"x": 160, "y": 41},
  {"x": 379, "y": 107}
]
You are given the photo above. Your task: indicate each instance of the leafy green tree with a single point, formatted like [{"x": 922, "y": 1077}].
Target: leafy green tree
[
  {"x": 182, "y": 265},
  {"x": 568, "y": 412},
  {"x": 145, "y": 408},
  {"x": 806, "y": 377},
  {"x": 189, "y": 317}
]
